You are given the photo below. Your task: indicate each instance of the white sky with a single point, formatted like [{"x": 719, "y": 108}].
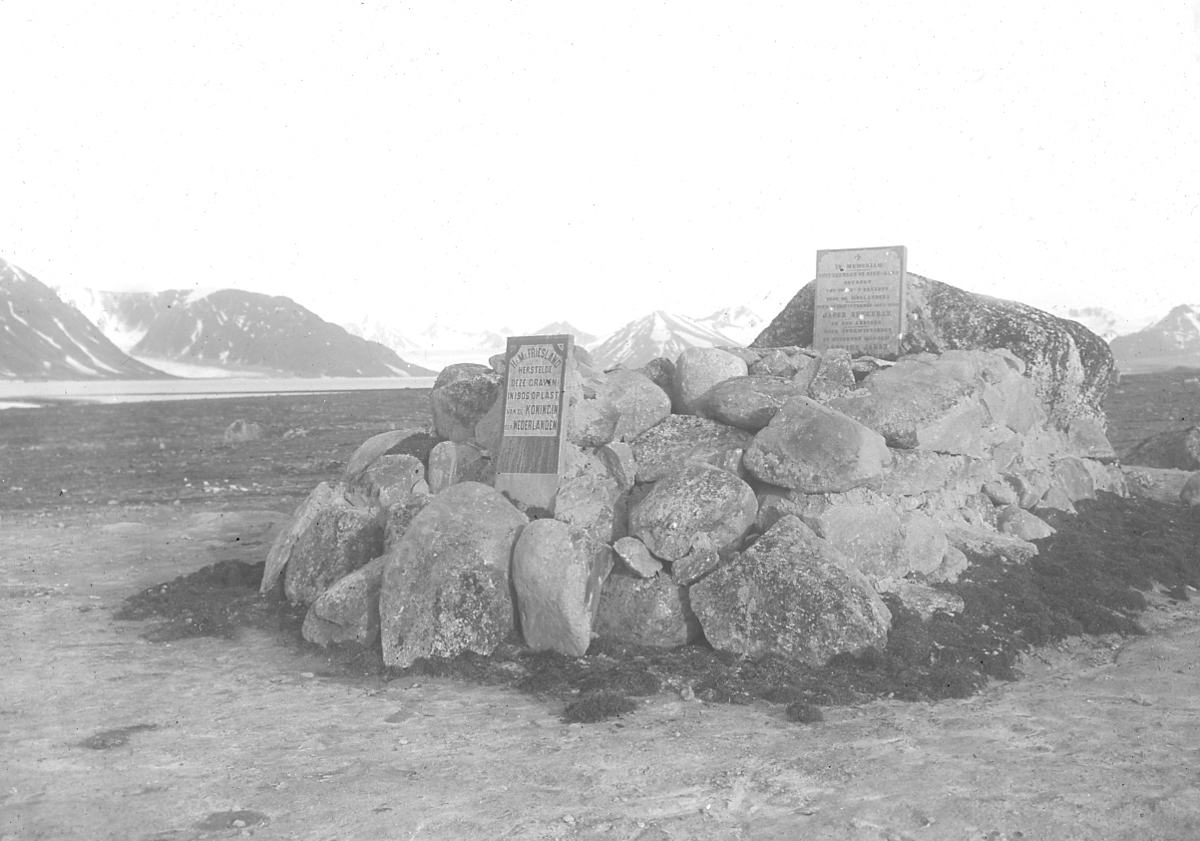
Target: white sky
[{"x": 508, "y": 163}]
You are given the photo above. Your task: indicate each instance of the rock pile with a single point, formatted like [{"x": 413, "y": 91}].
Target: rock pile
[{"x": 762, "y": 497}]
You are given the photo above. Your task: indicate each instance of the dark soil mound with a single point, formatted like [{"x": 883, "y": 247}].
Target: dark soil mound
[
  {"x": 214, "y": 601},
  {"x": 1090, "y": 578}
]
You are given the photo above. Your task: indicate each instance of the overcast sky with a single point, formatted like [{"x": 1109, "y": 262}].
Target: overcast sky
[{"x": 507, "y": 163}]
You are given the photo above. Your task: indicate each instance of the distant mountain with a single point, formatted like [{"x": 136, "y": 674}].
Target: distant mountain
[
  {"x": 558, "y": 328},
  {"x": 440, "y": 337},
  {"x": 1103, "y": 322},
  {"x": 739, "y": 323},
  {"x": 374, "y": 330},
  {"x": 234, "y": 330},
  {"x": 1172, "y": 342},
  {"x": 42, "y": 337},
  {"x": 658, "y": 334}
]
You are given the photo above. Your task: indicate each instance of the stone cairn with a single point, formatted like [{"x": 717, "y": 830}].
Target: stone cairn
[{"x": 763, "y": 498}]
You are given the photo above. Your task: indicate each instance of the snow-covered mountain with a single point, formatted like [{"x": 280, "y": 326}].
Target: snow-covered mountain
[
  {"x": 201, "y": 332},
  {"x": 42, "y": 337},
  {"x": 1172, "y": 342},
  {"x": 374, "y": 330},
  {"x": 739, "y": 323},
  {"x": 444, "y": 337},
  {"x": 658, "y": 334},
  {"x": 1103, "y": 322},
  {"x": 559, "y": 328}
]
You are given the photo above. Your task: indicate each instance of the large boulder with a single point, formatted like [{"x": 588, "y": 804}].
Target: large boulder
[
  {"x": 1161, "y": 484},
  {"x": 446, "y": 585},
  {"x": 1071, "y": 367},
  {"x": 812, "y": 448},
  {"x": 326, "y": 538},
  {"x": 591, "y": 414},
  {"x": 389, "y": 480},
  {"x": 557, "y": 573},
  {"x": 451, "y": 462},
  {"x": 337, "y": 539},
  {"x": 639, "y": 401},
  {"x": 319, "y": 499},
  {"x": 792, "y": 594},
  {"x": 645, "y": 611},
  {"x": 369, "y": 451},
  {"x": 348, "y": 612},
  {"x": 750, "y": 402},
  {"x": 462, "y": 394},
  {"x": 1189, "y": 494},
  {"x": 587, "y": 498},
  {"x": 699, "y": 499},
  {"x": 832, "y": 378},
  {"x": 680, "y": 439},
  {"x": 928, "y": 402},
  {"x": 697, "y": 370},
  {"x": 1175, "y": 449}
]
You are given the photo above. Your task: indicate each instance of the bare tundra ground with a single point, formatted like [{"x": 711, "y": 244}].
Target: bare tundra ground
[{"x": 106, "y": 736}]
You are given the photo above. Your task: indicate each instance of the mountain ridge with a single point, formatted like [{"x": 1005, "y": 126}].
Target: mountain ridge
[
  {"x": 1171, "y": 342},
  {"x": 43, "y": 337}
]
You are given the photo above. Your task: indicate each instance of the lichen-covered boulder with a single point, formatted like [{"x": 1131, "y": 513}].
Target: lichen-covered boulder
[
  {"x": 750, "y": 402},
  {"x": 697, "y": 370},
  {"x": 1071, "y": 367},
  {"x": 783, "y": 362},
  {"x": 461, "y": 396},
  {"x": 617, "y": 458},
  {"x": 699, "y": 499},
  {"x": 812, "y": 448},
  {"x": 451, "y": 462},
  {"x": 882, "y": 538},
  {"x": 639, "y": 401},
  {"x": 587, "y": 499},
  {"x": 399, "y": 517},
  {"x": 1161, "y": 484},
  {"x": 1072, "y": 475},
  {"x": 680, "y": 439},
  {"x": 339, "y": 539},
  {"x": 446, "y": 585},
  {"x": 591, "y": 414},
  {"x": 1175, "y": 449},
  {"x": 983, "y": 542},
  {"x": 645, "y": 611},
  {"x": 924, "y": 402},
  {"x": 661, "y": 372},
  {"x": 348, "y": 612},
  {"x": 558, "y": 573},
  {"x": 637, "y": 557},
  {"x": 391, "y": 479},
  {"x": 319, "y": 499},
  {"x": 791, "y": 594},
  {"x": 1189, "y": 494},
  {"x": 1020, "y": 523},
  {"x": 371, "y": 449},
  {"x": 833, "y": 376}
]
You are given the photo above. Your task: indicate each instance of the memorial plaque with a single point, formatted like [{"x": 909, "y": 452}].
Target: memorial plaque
[
  {"x": 531, "y": 444},
  {"x": 860, "y": 300}
]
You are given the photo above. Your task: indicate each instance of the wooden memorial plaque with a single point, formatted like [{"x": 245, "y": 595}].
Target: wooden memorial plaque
[
  {"x": 860, "y": 300},
  {"x": 531, "y": 446}
]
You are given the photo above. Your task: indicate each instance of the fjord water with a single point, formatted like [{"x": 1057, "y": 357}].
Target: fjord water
[{"x": 22, "y": 393}]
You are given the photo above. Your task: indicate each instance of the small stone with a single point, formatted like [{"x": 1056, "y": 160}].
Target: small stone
[{"x": 637, "y": 557}]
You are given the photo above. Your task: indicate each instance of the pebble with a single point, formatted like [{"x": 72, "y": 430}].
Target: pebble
[{"x": 307, "y": 674}]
